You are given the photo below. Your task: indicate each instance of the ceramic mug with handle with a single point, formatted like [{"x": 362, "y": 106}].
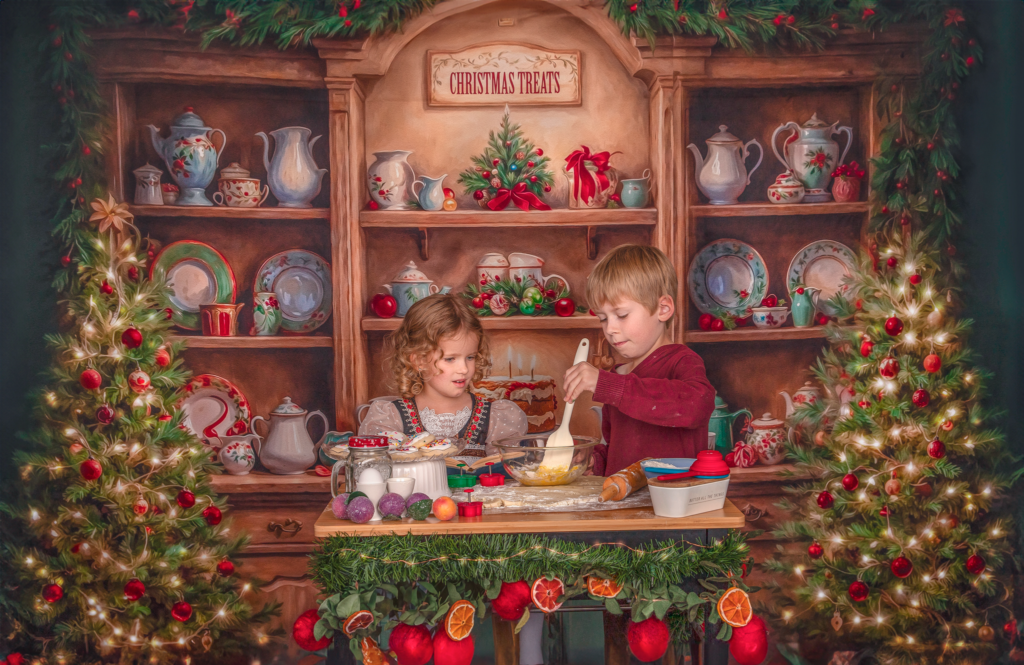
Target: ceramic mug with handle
[
  {"x": 527, "y": 266},
  {"x": 636, "y": 192}
]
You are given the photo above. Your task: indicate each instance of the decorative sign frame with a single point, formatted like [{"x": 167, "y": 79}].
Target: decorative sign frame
[{"x": 499, "y": 73}]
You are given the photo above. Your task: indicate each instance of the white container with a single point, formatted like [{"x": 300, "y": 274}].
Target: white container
[
  {"x": 686, "y": 501},
  {"x": 373, "y": 491},
  {"x": 401, "y": 486},
  {"x": 431, "y": 476}
]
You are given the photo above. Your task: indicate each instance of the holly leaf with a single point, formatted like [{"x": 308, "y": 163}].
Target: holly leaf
[{"x": 612, "y": 607}]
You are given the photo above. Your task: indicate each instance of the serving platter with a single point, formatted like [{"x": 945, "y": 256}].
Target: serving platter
[
  {"x": 823, "y": 265},
  {"x": 302, "y": 282},
  {"x": 197, "y": 274},
  {"x": 727, "y": 276},
  {"x": 214, "y": 407}
]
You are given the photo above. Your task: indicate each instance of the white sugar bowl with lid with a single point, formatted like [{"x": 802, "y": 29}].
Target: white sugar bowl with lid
[
  {"x": 410, "y": 285},
  {"x": 768, "y": 437},
  {"x": 236, "y": 189}
]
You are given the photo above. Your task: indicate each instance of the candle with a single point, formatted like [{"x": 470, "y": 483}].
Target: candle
[
  {"x": 533, "y": 363},
  {"x": 519, "y": 363},
  {"x": 510, "y": 361}
]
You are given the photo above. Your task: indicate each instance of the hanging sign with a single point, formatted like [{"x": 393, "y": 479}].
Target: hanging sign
[{"x": 498, "y": 74}]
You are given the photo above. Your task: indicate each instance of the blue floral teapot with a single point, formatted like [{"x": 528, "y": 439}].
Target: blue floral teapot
[{"x": 190, "y": 155}]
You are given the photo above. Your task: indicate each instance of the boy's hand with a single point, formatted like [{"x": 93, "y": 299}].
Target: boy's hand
[{"x": 578, "y": 379}]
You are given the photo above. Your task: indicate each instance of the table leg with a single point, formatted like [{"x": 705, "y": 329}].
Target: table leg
[
  {"x": 715, "y": 651},
  {"x": 506, "y": 641},
  {"x": 616, "y": 649},
  {"x": 339, "y": 653}
]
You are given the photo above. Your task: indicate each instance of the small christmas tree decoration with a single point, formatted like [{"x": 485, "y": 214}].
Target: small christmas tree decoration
[
  {"x": 140, "y": 507},
  {"x": 134, "y": 589},
  {"x": 90, "y": 379},
  {"x": 212, "y": 515},
  {"x": 52, "y": 593},
  {"x": 105, "y": 415},
  {"x": 411, "y": 644},
  {"x": 825, "y": 500},
  {"x": 131, "y": 338},
  {"x": 920, "y": 398},
  {"x": 901, "y": 567},
  {"x": 858, "y": 591},
  {"x": 1010, "y": 629},
  {"x": 106, "y": 289},
  {"x": 302, "y": 632},
  {"x": 866, "y": 347},
  {"x": 893, "y": 487},
  {"x": 936, "y": 449},
  {"x": 975, "y": 564},
  {"x": 225, "y": 568},
  {"x": 162, "y": 358},
  {"x": 815, "y": 550},
  {"x": 932, "y": 363},
  {"x": 850, "y": 482},
  {"x": 648, "y": 640},
  {"x": 986, "y": 634},
  {"x": 186, "y": 499},
  {"x": 893, "y": 326},
  {"x": 139, "y": 381},
  {"x": 90, "y": 469},
  {"x": 181, "y": 611},
  {"x": 888, "y": 368}
]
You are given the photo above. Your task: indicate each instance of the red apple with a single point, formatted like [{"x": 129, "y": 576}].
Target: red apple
[
  {"x": 705, "y": 321},
  {"x": 384, "y": 306},
  {"x": 718, "y": 324},
  {"x": 565, "y": 307}
]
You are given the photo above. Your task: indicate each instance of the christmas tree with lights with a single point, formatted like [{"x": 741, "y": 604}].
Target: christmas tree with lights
[{"x": 114, "y": 548}]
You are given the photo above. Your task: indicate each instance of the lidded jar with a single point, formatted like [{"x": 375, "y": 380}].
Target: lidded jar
[{"x": 366, "y": 452}]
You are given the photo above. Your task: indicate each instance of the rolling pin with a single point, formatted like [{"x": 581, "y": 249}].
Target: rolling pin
[{"x": 621, "y": 484}]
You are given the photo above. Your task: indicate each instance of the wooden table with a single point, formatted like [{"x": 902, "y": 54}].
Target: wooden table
[{"x": 630, "y": 526}]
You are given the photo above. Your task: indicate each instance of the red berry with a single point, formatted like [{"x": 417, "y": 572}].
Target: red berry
[
  {"x": 891, "y": 262},
  {"x": 722, "y": 14},
  {"x": 858, "y": 591},
  {"x": 778, "y": 20},
  {"x": 478, "y": 194},
  {"x": 791, "y": 20},
  {"x": 547, "y": 188},
  {"x": 1010, "y": 629},
  {"x": 969, "y": 61},
  {"x": 800, "y": 290},
  {"x": 915, "y": 279},
  {"x": 186, "y": 499},
  {"x": 901, "y": 567},
  {"x": 850, "y": 482},
  {"x": 168, "y": 313},
  {"x": 225, "y": 568},
  {"x": 705, "y": 321},
  {"x": 372, "y": 205},
  {"x": 835, "y": 26},
  {"x": 530, "y": 165},
  {"x": 540, "y": 153},
  {"x": 825, "y": 500},
  {"x": 885, "y": 210},
  {"x": 181, "y": 611},
  {"x": 815, "y": 550},
  {"x": 478, "y": 302},
  {"x": 975, "y": 564},
  {"x": 936, "y": 449},
  {"x": 133, "y": 273},
  {"x": 550, "y": 293},
  {"x": 495, "y": 161},
  {"x": 68, "y": 56},
  {"x": 632, "y": 8},
  {"x": 57, "y": 41},
  {"x": 932, "y": 363},
  {"x": 717, "y": 324},
  {"x": 134, "y": 589},
  {"x": 533, "y": 178},
  {"x": 65, "y": 260},
  {"x": 106, "y": 288}
]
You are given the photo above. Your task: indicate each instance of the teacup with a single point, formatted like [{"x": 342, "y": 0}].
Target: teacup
[
  {"x": 492, "y": 266},
  {"x": 636, "y": 192},
  {"x": 220, "y": 319},
  {"x": 523, "y": 267},
  {"x": 769, "y": 317},
  {"x": 240, "y": 193},
  {"x": 401, "y": 486}
]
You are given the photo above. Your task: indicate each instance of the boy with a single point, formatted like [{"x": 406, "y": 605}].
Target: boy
[{"x": 659, "y": 402}]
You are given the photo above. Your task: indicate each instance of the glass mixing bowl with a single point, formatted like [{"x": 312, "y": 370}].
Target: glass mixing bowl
[{"x": 531, "y": 462}]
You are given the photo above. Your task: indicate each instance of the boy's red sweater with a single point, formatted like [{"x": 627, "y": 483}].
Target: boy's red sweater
[{"x": 660, "y": 409}]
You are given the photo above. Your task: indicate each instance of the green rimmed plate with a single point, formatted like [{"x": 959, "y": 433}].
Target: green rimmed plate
[
  {"x": 727, "y": 276},
  {"x": 197, "y": 275},
  {"x": 823, "y": 265},
  {"x": 302, "y": 282}
]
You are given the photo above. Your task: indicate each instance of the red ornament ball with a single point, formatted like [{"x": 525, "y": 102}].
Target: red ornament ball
[
  {"x": 893, "y": 326},
  {"x": 478, "y": 194},
  {"x": 866, "y": 347},
  {"x": 901, "y": 567},
  {"x": 920, "y": 398},
  {"x": 478, "y": 302},
  {"x": 186, "y": 499},
  {"x": 889, "y": 367},
  {"x": 452, "y": 652},
  {"x": 90, "y": 469},
  {"x": 717, "y": 324},
  {"x": 65, "y": 261},
  {"x": 815, "y": 550},
  {"x": 383, "y": 305},
  {"x": 704, "y": 322},
  {"x": 495, "y": 161},
  {"x": 90, "y": 379},
  {"x": 52, "y": 593},
  {"x": 162, "y": 357},
  {"x": 540, "y": 153},
  {"x": 141, "y": 507},
  {"x": 932, "y": 363},
  {"x": 749, "y": 644},
  {"x": 915, "y": 279},
  {"x": 969, "y": 61},
  {"x": 858, "y": 591},
  {"x": 212, "y": 515},
  {"x": 1010, "y": 629},
  {"x": 225, "y": 568},
  {"x": 884, "y": 512},
  {"x": 513, "y": 598},
  {"x": 411, "y": 644},
  {"x": 825, "y": 500},
  {"x": 105, "y": 415},
  {"x": 134, "y": 589},
  {"x": 139, "y": 381},
  {"x": 131, "y": 338},
  {"x": 106, "y": 288},
  {"x": 648, "y": 640},
  {"x": 891, "y": 261},
  {"x": 181, "y": 611},
  {"x": 850, "y": 482},
  {"x": 565, "y": 307},
  {"x": 975, "y": 565},
  {"x": 936, "y": 449},
  {"x": 302, "y": 632},
  {"x": 547, "y": 188}
]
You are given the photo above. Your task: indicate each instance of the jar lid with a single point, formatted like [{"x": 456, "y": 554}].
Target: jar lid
[
  {"x": 815, "y": 123},
  {"x": 411, "y": 273},
  {"x": 148, "y": 169},
  {"x": 189, "y": 119},
  {"x": 368, "y": 442},
  {"x": 286, "y": 408},
  {"x": 722, "y": 136},
  {"x": 234, "y": 170},
  {"x": 766, "y": 421}
]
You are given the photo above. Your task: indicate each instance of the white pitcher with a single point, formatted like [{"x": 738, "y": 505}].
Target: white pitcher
[
  {"x": 722, "y": 175},
  {"x": 293, "y": 176},
  {"x": 431, "y": 194},
  {"x": 287, "y": 447}
]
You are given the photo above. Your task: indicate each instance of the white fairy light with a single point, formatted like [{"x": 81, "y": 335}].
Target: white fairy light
[
  {"x": 951, "y": 491},
  {"x": 821, "y": 594},
  {"x": 862, "y": 496},
  {"x": 34, "y": 514},
  {"x": 941, "y": 338},
  {"x": 837, "y": 540},
  {"x": 995, "y": 531},
  {"x": 914, "y": 602},
  {"x": 880, "y": 619},
  {"x": 856, "y": 619}
]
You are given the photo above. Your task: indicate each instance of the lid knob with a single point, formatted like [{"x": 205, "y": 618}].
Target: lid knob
[{"x": 188, "y": 109}]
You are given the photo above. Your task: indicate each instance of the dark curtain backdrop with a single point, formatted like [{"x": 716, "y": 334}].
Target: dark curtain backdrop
[{"x": 991, "y": 120}]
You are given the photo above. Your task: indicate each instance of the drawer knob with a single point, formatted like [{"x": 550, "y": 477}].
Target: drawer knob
[
  {"x": 752, "y": 513},
  {"x": 290, "y": 526}
]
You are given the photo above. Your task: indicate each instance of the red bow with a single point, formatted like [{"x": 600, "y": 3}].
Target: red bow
[
  {"x": 584, "y": 186},
  {"x": 518, "y": 195}
]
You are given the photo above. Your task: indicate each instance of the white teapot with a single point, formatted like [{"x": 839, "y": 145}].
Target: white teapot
[
  {"x": 723, "y": 176},
  {"x": 288, "y": 448}
]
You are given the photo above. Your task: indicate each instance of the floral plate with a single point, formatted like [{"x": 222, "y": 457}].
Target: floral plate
[
  {"x": 727, "y": 276},
  {"x": 214, "y": 407},
  {"x": 823, "y": 265},
  {"x": 302, "y": 282},
  {"x": 197, "y": 275}
]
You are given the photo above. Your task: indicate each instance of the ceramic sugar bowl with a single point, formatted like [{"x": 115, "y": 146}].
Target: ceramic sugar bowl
[
  {"x": 236, "y": 189},
  {"x": 767, "y": 437},
  {"x": 786, "y": 189}
]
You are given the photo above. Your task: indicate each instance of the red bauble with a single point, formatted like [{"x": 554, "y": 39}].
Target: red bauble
[
  {"x": 1010, "y": 629},
  {"x": 225, "y": 568},
  {"x": 901, "y": 567},
  {"x": 90, "y": 469},
  {"x": 936, "y": 449},
  {"x": 181, "y": 611},
  {"x": 138, "y": 381},
  {"x": 975, "y": 564},
  {"x": 866, "y": 347},
  {"x": 513, "y": 598},
  {"x": 134, "y": 589},
  {"x": 131, "y": 338},
  {"x": 704, "y": 322},
  {"x": 140, "y": 507},
  {"x": 52, "y": 593},
  {"x": 162, "y": 358},
  {"x": 105, "y": 288},
  {"x": 889, "y": 367},
  {"x": 565, "y": 307},
  {"x": 105, "y": 414},
  {"x": 648, "y": 640},
  {"x": 717, "y": 324},
  {"x": 411, "y": 644},
  {"x": 932, "y": 363},
  {"x": 384, "y": 306},
  {"x": 850, "y": 482},
  {"x": 825, "y": 500},
  {"x": 451, "y": 652},
  {"x": 891, "y": 261},
  {"x": 540, "y": 153},
  {"x": 893, "y": 326},
  {"x": 858, "y": 591},
  {"x": 186, "y": 499},
  {"x": 815, "y": 550},
  {"x": 372, "y": 205},
  {"x": 915, "y": 279},
  {"x": 302, "y": 632},
  {"x": 90, "y": 379},
  {"x": 212, "y": 515},
  {"x": 133, "y": 273},
  {"x": 884, "y": 511},
  {"x": 749, "y": 644},
  {"x": 478, "y": 302},
  {"x": 920, "y": 397}
]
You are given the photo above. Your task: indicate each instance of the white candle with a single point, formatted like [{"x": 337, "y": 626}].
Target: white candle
[{"x": 533, "y": 364}]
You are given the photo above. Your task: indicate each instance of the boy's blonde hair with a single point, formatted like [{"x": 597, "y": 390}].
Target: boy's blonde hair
[
  {"x": 425, "y": 324},
  {"x": 640, "y": 273}
]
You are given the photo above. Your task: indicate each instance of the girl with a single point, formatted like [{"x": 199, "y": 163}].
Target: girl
[{"x": 438, "y": 351}]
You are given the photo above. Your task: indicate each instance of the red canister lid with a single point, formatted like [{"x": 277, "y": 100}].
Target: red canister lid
[{"x": 368, "y": 442}]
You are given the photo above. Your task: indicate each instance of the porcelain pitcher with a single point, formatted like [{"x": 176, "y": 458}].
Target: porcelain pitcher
[
  {"x": 190, "y": 155},
  {"x": 287, "y": 447},
  {"x": 812, "y": 154},
  {"x": 805, "y": 304},
  {"x": 292, "y": 174},
  {"x": 237, "y": 453},
  {"x": 523, "y": 267},
  {"x": 431, "y": 195},
  {"x": 389, "y": 179},
  {"x": 723, "y": 176}
]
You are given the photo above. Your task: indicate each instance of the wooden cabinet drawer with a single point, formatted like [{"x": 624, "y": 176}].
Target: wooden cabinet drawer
[{"x": 281, "y": 521}]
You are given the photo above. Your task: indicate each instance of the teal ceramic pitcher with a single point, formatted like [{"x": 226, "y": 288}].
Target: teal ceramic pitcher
[
  {"x": 721, "y": 424},
  {"x": 805, "y": 303}
]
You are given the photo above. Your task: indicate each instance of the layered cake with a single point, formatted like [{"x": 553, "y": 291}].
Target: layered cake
[{"x": 535, "y": 396}]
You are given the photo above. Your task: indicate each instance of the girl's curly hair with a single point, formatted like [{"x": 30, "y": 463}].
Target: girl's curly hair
[{"x": 428, "y": 322}]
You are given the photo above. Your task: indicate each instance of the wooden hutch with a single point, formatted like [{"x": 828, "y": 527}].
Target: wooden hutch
[{"x": 368, "y": 95}]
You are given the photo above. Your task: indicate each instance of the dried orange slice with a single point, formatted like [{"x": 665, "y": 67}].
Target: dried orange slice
[
  {"x": 734, "y": 607},
  {"x": 372, "y": 655},
  {"x": 459, "y": 622},
  {"x": 545, "y": 593},
  {"x": 357, "y": 621},
  {"x": 602, "y": 588}
]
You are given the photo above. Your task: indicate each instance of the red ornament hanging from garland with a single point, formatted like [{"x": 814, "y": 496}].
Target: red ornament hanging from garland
[
  {"x": 921, "y": 398},
  {"x": 105, "y": 415},
  {"x": 139, "y": 381},
  {"x": 302, "y": 632},
  {"x": 858, "y": 591},
  {"x": 513, "y": 598},
  {"x": 932, "y": 363},
  {"x": 52, "y": 593},
  {"x": 411, "y": 644},
  {"x": 212, "y": 515},
  {"x": 901, "y": 567},
  {"x": 225, "y": 568},
  {"x": 162, "y": 358},
  {"x": 815, "y": 550},
  {"x": 131, "y": 338},
  {"x": 825, "y": 500},
  {"x": 90, "y": 379},
  {"x": 889, "y": 367},
  {"x": 936, "y": 449},
  {"x": 893, "y": 326},
  {"x": 452, "y": 652},
  {"x": 186, "y": 499},
  {"x": 975, "y": 564},
  {"x": 140, "y": 507},
  {"x": 866, "y": 348},
  {"x": 850, "y": 482},
  {"x": 90, "y": 469},
  {"x": 181, "y": 611},
  {"x": 134, "y": 589},
  {"x": 749, "y": 644},
  {"x": 648, "y": 640}
]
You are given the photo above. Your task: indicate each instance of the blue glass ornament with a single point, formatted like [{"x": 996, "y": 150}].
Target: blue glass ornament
[{"x": 513, "y": 167}]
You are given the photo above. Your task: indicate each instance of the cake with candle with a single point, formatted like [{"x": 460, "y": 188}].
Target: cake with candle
[{"x": 535, "y": 395}]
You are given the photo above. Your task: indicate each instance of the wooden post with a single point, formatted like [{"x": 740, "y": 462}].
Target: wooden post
[
  {"x": 616, "y": 650},
  {"x": 506, "y": 641}
]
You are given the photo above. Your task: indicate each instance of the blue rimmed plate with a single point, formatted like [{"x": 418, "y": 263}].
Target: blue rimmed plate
[
  {"x": 302, "y": 282},
  {"x": 197, "y": 274},
  {"x": 657, "y": 467},
  {"x": 727, "y": 275},
  {"x": 823, "y": 265}
]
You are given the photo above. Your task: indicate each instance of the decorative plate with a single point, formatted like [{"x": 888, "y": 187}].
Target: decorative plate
[
  {"x": 214, "y": 407},
  {"x": 197, "y": 275},
  {"x": 302, "y": 282},
  {"x": 823, "y": 265},
  {"x": 727, "y": 275},
  {"x": 657, "y": 467}
]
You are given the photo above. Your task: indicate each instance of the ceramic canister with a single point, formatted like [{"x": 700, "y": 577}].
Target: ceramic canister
[
  {"x": 236, "y": 189},
  {"x": 266, "y": 313},
  {"x": 767, "y": 437}
]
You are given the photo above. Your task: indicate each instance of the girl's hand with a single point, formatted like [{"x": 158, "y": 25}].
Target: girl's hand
[
  {"x": 580, "y": 378},
  {"x": 590, "y": 467}
]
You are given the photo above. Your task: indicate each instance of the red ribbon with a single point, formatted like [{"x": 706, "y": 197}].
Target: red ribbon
[
  {"x": 518, "y": 195},
  {"x": 584, "y": 186}
]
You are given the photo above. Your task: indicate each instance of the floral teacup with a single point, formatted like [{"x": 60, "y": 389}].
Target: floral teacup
[
  {"x": 769, "y": 317},
  {"x": 240, "y": 193}
]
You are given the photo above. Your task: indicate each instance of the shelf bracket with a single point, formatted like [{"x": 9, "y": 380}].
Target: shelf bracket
[
  {"x": 591, "y": 242},
  {"x": 423, "y": 240}
]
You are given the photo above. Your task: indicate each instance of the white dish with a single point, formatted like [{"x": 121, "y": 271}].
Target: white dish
[
  {"x": 214, "y": 407},
  {"x": 301, "y": 281},
  {"x": 823, "y": 265},
  {"x": 727, "y": 276},
  {"x": 685, "y": 501}
]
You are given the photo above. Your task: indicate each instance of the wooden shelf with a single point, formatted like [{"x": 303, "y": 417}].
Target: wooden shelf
[
  {"x": 575, "y": 322},
  {"x": 775, "y": 210},
  {"x": 261, "y": 482},
  {"x": 246, "y": 342},
  {"x": 752, "y": 335},
  {"x": 221, "y": 212},
  {"x": 418, "y": 219}
]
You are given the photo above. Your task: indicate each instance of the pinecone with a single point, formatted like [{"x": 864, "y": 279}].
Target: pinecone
[{"x": 520, "y": 155}]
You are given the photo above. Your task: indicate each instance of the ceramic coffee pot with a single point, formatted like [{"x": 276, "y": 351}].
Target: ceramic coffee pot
[
  {"x": 807, "y": 394},
  {"x": 723, "y": 176},
  {"x": 190, "y": 155},
  {"x": 287, "y": 447},
  {"x": 292, "y": 174},
  {"x": 812, "y": 155}
]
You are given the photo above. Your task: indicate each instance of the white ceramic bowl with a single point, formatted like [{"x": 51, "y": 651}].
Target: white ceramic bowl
[
  {"x": 431, "y": 476},
  {"x": 769, "y": 317},
  {"x": 684, "y": 501}
]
